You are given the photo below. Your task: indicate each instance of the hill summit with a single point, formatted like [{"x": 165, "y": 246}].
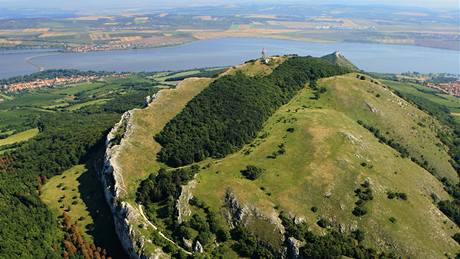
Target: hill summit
[{"x": 339, "y": 59}]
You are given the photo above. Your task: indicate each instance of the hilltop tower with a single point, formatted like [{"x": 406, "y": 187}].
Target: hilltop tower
[{"x": 264, "y": 57}]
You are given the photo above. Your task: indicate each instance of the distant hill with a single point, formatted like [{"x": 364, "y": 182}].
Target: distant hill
[{"x": 339, "y": 59}]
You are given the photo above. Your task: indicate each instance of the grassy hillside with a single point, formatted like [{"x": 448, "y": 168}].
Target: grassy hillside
[
  {"x": 396, "y": 119},
  {"x": 77, "y": 192},
  {"x": 327, "y": 156},
  {"x": 232, "y": 110},
  {"x": 137, "y": 155},
  {"x": 133, "y": 161}
]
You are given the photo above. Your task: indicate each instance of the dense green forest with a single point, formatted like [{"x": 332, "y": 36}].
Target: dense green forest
[
  {"x": 67, "y": 137},
  {"x": 233, "y": 108},
  {"x": 64, "y": 141}
]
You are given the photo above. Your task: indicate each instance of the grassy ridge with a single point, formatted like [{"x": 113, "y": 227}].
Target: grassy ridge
[
  {"x": 327, "y": 156},
  {"x": 134, "y": 161},
  {"x": 229, "y": 113}
]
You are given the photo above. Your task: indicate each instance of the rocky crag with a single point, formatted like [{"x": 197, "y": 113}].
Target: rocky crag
[
  {"x": 123, "y": 213},
  {"x": 126, "y": 217}
]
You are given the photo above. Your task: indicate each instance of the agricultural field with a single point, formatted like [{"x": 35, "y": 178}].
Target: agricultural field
[
  {"x": 19, "y": 110},
  {"x": 326, "y": 23}
]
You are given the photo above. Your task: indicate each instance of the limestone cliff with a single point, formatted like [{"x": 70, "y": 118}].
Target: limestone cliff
[{"x": 126, "y": 217}]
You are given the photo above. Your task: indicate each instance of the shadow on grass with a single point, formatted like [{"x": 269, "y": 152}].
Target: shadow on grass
[{"x": 103, "y": 229}]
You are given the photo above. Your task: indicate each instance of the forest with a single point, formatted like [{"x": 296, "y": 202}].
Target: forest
[
  {"x": 230, "y": 112},
  {"x": 66, "y": 138}
]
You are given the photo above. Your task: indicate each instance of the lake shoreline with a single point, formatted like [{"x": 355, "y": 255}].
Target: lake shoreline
[{"x": 227, "y": 52}]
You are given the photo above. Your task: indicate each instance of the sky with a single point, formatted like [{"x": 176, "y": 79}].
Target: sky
[{"x": 152, "y": 4}]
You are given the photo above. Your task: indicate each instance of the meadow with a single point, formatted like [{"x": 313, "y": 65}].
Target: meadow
[
  {"x": 19, "y": 137},
  {"x": 78, "y": 192}
]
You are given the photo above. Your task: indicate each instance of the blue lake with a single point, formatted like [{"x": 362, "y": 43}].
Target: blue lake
[{"x": 231, "y": 51}]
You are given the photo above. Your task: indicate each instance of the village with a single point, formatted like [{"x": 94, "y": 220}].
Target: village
[
  {"x": 452, "y": 88},
  {"x": 446, "y": 83},
  {"x": 97, "y": 47},
  {"x": 57, "y": 81}
]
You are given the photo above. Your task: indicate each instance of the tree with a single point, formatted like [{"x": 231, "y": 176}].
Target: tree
[{"x": 252, "y": 172}]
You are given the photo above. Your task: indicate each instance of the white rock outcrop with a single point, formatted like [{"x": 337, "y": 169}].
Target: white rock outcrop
[{"x": 126, "y": 217}]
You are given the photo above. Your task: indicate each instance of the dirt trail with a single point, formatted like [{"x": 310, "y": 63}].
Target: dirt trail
[{"x": 159, "y": 232}]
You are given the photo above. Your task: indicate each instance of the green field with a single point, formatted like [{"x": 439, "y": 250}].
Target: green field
[
  {"x": 78, "y": 192},
  {"x": 19, "y": 137},
  {"x": 85, "y": 104}
]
